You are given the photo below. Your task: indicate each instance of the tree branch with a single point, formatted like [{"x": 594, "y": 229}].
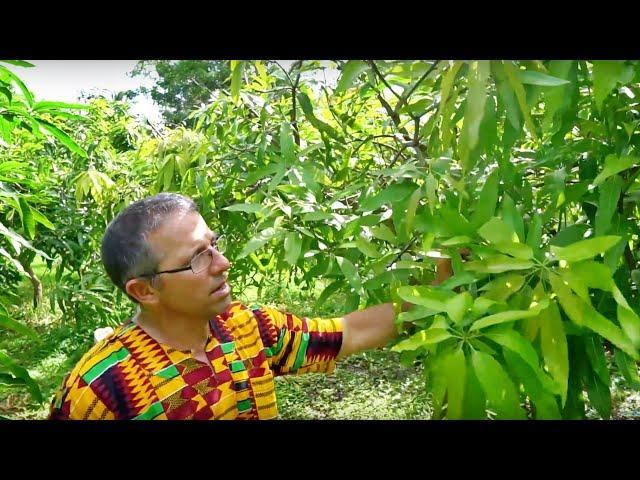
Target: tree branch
[
  {"x": 406, "y": 96},
  {"x": 285, "y": 72},
  {"x": 374, "y": 67},
  {"x": 404, "y": 250}
]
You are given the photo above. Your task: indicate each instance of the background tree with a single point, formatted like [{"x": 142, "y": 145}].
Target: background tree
[{"x": 182, "y": 86}]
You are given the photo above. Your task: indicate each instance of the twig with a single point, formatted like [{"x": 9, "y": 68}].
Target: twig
[
  {"x": 406, "y": 96},
  {"x": 404, "y": 250},
  {"x": 381, "y": 77}
]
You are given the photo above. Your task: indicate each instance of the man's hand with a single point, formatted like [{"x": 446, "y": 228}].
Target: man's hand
[{"x": 444, "y": 269}]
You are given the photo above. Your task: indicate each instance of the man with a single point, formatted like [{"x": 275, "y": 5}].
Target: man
[{"x": 190, "y": 352}]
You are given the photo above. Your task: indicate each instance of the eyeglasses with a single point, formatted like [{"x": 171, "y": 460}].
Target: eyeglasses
[{"x": 201, "y": 261}]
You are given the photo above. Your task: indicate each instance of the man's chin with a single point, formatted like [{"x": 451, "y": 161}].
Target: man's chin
[{"x": 222, "y": 305}]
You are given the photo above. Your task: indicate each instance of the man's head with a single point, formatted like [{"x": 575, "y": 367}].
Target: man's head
[{"x": 159, "y": 233}]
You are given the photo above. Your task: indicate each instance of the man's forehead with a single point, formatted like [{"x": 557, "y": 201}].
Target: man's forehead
[{"x": 180, "y": 230}]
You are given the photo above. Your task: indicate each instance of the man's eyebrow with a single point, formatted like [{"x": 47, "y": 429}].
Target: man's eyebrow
[{"x": 212, "y": 235}]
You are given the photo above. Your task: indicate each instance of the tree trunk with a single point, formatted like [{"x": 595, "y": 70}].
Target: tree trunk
[{"x": 35, "y": 283}]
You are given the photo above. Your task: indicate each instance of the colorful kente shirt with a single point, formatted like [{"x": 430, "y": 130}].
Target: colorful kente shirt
[{"x": 129, "y": 375}]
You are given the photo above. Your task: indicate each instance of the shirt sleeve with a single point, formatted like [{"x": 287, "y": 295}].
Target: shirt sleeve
[
  {"x": 297, "y": 345},
  {"x": 75, "y": 400}
]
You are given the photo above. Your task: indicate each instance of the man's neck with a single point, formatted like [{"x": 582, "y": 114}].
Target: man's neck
[{"x": 179, "y": 332}]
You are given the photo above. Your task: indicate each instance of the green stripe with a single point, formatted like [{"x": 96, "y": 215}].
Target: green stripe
[
  {"x": 302, "y": 351},
  {"x": 151, "y": 412},
  {"x": 237, "y": 366},
  {"x": 228, "y": 347},
  {"x": 100, "y": 368},
  {"x": 170, "y": 372},
  {"x": 275, "y": 349},
  {"x": 244, "y": 405}
]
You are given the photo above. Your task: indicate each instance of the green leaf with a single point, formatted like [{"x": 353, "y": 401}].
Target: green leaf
[
  {"x": 510, "y": 315},
  {"x": 315, "y": 216},
  {"x": 517, "y": 344},
  {"x": 463, "y": 278},
  {"x": 584, "y": 249},
  {"x": 7, "y": 322},
  {"x": 411, "y": 209},
  {"x": 19, "y": 372},
  {"x": 599, "y": 395},
  {"x": 292, "y": 247},
  {"x": 366, "y": 247},
  {"x": 553, "y": 345},
  {"x": 531, "y": 77},
  {"x": 426, "y": 296},
  {"x": 454, "y": 368},
  {"x": 457, "y": 240},
  {"x": 307, "y": 109},
  {"x": 286, "y": 144},
  {"x": 512, "y": 217},
  {"x": 393, "y": 193},
  {"x": 516, "y": 250},
  {"x": 447, "y": 83},
  {"x": 350, "y": 72},
  {"x": 436, "y": 384},
  {"x": 244, "y": 207},
  {"x": 545, "y": 404},
  {"x": 630, "y": 323},
  {"x": 382, "y": 232},
  {"x": 14, "y": 237},
  {"x": 489, "y": 126},
  {"x": 351, "y": 273},
  {"x": 456, "y": 223},
  {"x": 606, "y": 75},
  {"x": 498, "y": 264},
  {"x": 421, "y": 339},
  {"x": 507, "y": 98},
  {"x": 258, "y": 241},
  {"x": 583, "y": 314},
  {"x": 534, "y": 235},
  {"x": 416, "y": 312},
  {"x": 41, "y": 219},
  {"x": 14, "y": 261},
  {"x": 51, "y": 107},
  {"x": 329, "y": 290},
  {"x": 62, "y": 137},
  {"x": 237, "y": 68},
  {"x": 614, "y": 164},
  {"x": 569, "y": 235},
  {"x": 431, "y": 184},
  {"x": 23, "y": 88},
  {"x": 500, "y": 392},
  {"x": 474, "y": 110},
  {"x": 28, "y": 222},
  {"x": 497, "y": 231},
  {"x": 503, "y": 287},
  {"x": 557, "y": 100},
  {"x": 628, "y": 368},
  {"x": 474, "y": 398},
  {"x": 486, "y": 205},
  {"x": 458, "y": 306},
  {"x": 595, "y": 353},
  {"x": 19, "y": 63},
  {"x": 516, "y": 85},
  {"x": 168, "y": 171},
  {"x": 591, "y": 274}
]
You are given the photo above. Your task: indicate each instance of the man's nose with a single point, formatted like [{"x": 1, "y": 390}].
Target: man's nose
[{"x": 219, "y": 263}]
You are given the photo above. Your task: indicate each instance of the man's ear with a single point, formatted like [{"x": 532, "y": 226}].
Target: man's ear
[{"x": 142, "y": 290}]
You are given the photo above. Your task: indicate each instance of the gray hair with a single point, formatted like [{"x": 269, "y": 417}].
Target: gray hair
[{"x": 125, "y": 251}]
